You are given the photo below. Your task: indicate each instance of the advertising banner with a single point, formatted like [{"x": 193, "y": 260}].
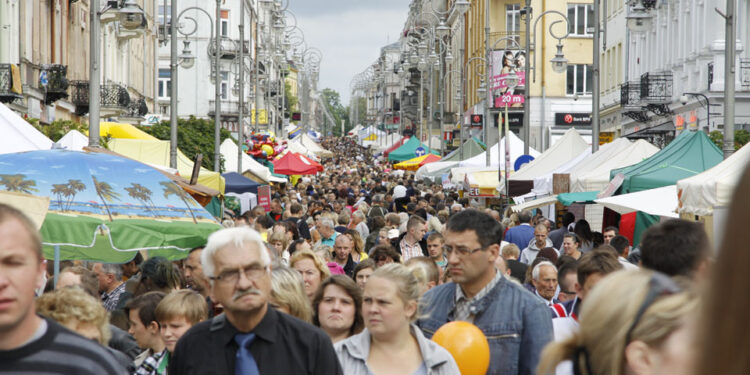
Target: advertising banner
[{"x": 503, "y": 63}]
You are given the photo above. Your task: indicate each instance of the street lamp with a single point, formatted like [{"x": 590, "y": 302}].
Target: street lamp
[
  {"x": 640, "y": 19},
  {"x": 131, "y": 15},
  {"x": 559, "y": 62},
  {"x": 186, "y": 58}
]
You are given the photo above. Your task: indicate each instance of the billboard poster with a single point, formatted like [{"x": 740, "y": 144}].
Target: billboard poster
[
  {"x": 264, "y": 197},
  {"x": 503, "y": 63}
]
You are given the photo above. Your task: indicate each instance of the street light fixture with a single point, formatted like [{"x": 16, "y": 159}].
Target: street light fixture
[
  {"x": 187, "y": 60},
  {"x": 462, "y": 6},
  {"x": 442, "y": 29},
  {"x": 131, "y": 15},
  {"x": 640, "y": 19},
  {"x": 559, "y": 62}
]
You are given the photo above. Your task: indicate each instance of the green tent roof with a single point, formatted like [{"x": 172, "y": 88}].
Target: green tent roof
[
  {"x": 687, "y": 155},
  {"x": 579, "y": 197},
  {"x": 406, "y": 151},
  {"x": 472, "y": 147}
]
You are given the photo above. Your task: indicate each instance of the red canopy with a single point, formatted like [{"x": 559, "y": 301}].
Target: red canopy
[
  {"x": 292, "y": 163},
  {"x": 395, "y": 146}
]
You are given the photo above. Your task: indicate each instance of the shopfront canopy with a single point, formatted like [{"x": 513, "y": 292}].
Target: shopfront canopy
[
  {"x": 687, "y": 155},
  {"x": 296, "y": 164},
  {"x": 409, "y": 150},
  {"x": 700, "y": 194}
]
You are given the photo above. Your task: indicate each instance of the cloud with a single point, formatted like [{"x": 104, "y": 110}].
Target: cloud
[{"x": 350, "y": 35}]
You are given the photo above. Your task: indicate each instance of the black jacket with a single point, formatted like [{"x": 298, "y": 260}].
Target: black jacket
[{"x": 397, "y": 241}]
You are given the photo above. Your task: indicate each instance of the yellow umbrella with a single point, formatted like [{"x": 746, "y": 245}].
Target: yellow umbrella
[{"x": 414, "y": 164}]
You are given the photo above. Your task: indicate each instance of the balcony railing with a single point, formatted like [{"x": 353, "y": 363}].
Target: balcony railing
[
  {"x": 113, "y": 97},
  {"x": 227, "y": 107},
  {"x": 8, "y": 92},
  {"x": 228, "y": 48},
  {"x": 630, "y": 100},
  {"x": 517, "y": 36},
  {"x": 656, "y": 91},
  {"x": 56, "y": 82}
]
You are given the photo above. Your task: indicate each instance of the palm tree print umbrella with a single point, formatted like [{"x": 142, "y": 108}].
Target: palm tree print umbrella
[{"x": 104, "y": 207}]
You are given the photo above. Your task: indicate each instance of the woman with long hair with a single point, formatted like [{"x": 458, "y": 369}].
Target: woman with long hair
[
  {"x": 583, "y": 231},
  {"x": 632, "y": 322},
  {"x": 337, "y": 308},
  {"x": 288, "y": 293},
  {"x": 358, "y": 254},
  {"x": 390, "y": 342}
]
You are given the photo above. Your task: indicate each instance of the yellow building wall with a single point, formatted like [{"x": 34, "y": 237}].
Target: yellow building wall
[{"x": 578, "y": 50}]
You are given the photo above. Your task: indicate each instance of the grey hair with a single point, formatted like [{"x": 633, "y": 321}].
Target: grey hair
[
  {"x": 238, "y": 237},
  {"x": 359, "y": 215},
  {"x": 327, "y": 223},
  {"x": 113, "y": 269},
  {"x": 537, "y": 269}
]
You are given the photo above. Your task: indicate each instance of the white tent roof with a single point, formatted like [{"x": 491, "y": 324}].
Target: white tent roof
[
  {"x": 74, "y": 141},
  {"x": 660, "y": 201},
  {"x": 516, "y": 150},
  {"x": 714, "y": 187},
  {"x": 434, "y": 169},
  {"x": 19, "y": 135},
  {"x": 295, "y": 146},
  {"x": 229, "y": 153},
  {"x": 355, "y": 130},
  {"x": 598, "y": 177},
  {"x": 566, "y": 148},
  {"x": 314, "y": 147},
  {"x": 364, "y": 133},
  {"x": 543, "y": 183}
]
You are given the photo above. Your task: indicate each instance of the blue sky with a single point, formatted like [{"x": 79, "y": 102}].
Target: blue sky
[{"x": 350, "y": 34}]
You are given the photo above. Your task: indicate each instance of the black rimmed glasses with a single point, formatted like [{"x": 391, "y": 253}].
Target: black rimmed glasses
[
  {"x": 460, "y": 250},
  {"x": 660, "y": 285},
  {"x": 251, "y": 272}
]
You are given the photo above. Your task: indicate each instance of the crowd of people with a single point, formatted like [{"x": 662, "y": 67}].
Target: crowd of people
[{"x": 354, "y": 270}]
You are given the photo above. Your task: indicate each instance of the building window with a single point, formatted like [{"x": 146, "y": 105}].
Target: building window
[
  {"x": 580, "y": 78},
  {"x": 224, "y": 85},
  {"x": 512, "y": 18},
  {"x": 165, "y": 14},
  {"x": 165, "y": 83},
  {"x": 224, "y": 23},
  {"x": 581, "y": 17}
]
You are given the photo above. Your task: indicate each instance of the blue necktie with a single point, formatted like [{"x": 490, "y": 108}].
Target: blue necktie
[{"x": 245, "y": 364}]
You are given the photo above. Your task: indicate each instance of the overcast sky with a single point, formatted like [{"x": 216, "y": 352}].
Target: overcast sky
[{"x": 350, "y": 34}]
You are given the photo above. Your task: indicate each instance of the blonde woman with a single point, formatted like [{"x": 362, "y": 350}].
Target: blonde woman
[
  {"x": 632, "y": 322},
  {"x": 280, "y": 242},
  {"x": 358, "y": 253},
  {"x": 288, "y": 293},
  {"x": 313, "y": 270},
  {"x": 390, "y": 343}
]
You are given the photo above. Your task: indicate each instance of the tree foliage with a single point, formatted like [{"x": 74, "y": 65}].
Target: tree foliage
[
  {"x": 194, "y": 136},
  {"x": 291, "y": 100},
  {"x": 332, "y": 99},
  {"x": 741, "y": 137}
]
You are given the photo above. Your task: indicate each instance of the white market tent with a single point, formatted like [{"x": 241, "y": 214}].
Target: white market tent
[
  {"x": 295, "y": 146},
  {"x": 700, "y": 194},
  {"x": 355, "y": 130},
  {"x": 19, "y": 135},
  {"x": 229, "y": 152},
  {"x": 516, "y": 150},
  {"x": 314, "y": 147},
  {"x": 73, "y": 140},
  {"x": 566, "y": 148},
  {"x": 660, "y": 201},
  {"x": 435, "y": 169},
  {"x": 598, "y": 177},
  {"x": 543, "y": 183}
]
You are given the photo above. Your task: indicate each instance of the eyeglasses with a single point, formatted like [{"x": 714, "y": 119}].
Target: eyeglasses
[
  {"x": 460, "y": 251},
  {"x": 659, "y": 286},
  {"x": 232, "y": 276}
]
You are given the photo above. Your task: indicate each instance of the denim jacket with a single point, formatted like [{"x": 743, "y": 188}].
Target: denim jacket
[{"x": 516, "y": 323}]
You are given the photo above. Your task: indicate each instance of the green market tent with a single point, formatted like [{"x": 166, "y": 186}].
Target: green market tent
[
  {"x": 578, "y": 197},
  {"x": 472, "y": 147},
  {"x": 406, "y": 151},
  {"x": 687, "y": 155}
]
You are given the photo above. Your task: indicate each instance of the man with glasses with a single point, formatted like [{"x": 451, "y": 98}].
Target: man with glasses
[
  {"x": 249, "y": 337},
  {"x": 517, "y": 324}
]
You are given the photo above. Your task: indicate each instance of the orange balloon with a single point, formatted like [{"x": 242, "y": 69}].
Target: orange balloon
[{"x": 467, "y": 344}]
